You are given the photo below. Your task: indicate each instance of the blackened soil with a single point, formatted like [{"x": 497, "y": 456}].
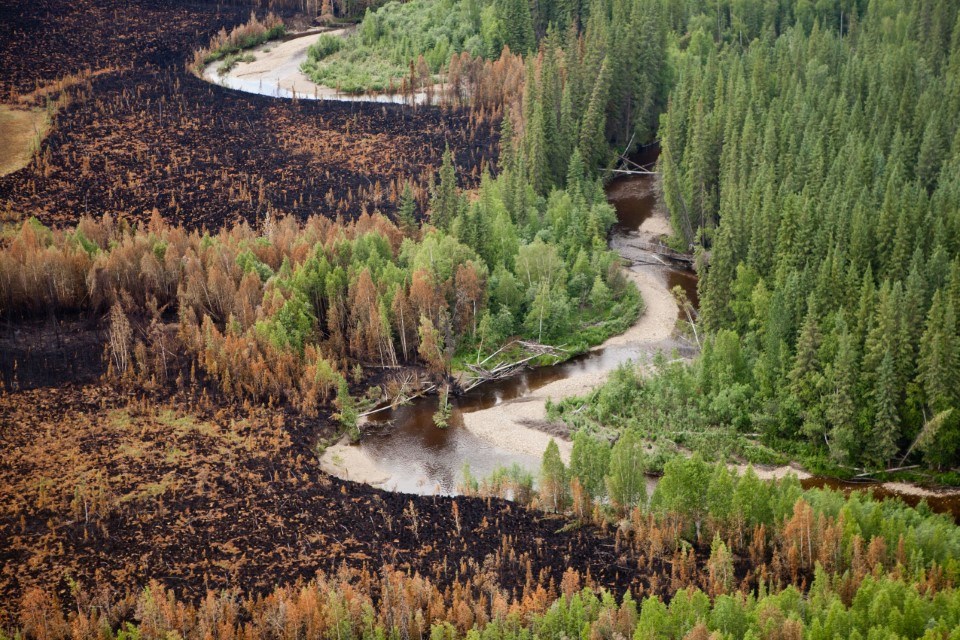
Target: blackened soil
[
  {"x": 144, "y": 133},
  {"x": 203, "y": 498},
  {"x": 50, "y": 352}
]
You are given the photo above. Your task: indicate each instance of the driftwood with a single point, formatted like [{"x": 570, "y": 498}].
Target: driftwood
[
  {"x": 890, "y": 470},
  {"x": 634, "y": 172},
  {"x": 398, "y": 401},
  {"x": 531, "y": 350}
]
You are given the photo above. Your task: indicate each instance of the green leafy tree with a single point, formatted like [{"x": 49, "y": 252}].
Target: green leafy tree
[
  {"x": 554, "y": 486},
  {"x": 682, "y": 490},
  {"x": 589, "y": 462},
  {"x": 626, "y": 479}
]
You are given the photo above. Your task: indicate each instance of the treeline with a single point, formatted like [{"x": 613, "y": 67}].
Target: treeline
[
  {"x": 285, "y": 313},
  {"x": 345, "y": 9},
  {"x": 818, "y": 167},
  {"x": 757, "y": 534},
  {"x": 393, "y": 603},
  {"x": 769, "y": 533},
  {"x": 225, "y": 44},
  {"x": 783, "y": 563}
]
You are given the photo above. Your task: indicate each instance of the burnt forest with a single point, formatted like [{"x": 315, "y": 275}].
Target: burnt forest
[{"x": 479, "y": 319}]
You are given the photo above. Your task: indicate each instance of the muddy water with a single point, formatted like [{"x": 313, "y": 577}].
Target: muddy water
[
  {"x": 947, "y": 504},
  {"x": 420, "y": 458}
]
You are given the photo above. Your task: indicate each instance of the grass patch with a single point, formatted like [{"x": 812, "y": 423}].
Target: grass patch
[
  {"x": 379, "y": 55},
  {"x": 21, "y": 132},
  {"x": 232, "y": 60}
]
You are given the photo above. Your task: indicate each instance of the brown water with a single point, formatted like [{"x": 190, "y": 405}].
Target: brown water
[
  {"x": 420, "y": 458},
  {"x": 948, "y": 504}
]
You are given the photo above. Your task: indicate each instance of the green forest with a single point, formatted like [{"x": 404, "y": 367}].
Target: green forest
[{"x": 816, "y": 172}]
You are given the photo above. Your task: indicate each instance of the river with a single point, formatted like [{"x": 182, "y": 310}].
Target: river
[{"x": 495, "y": 424}]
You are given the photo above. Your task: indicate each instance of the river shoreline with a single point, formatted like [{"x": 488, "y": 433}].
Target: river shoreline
[
  {"x": 519, "y": 424},
  {"x": 516, "y": 425},
  {"x": 276, "y": 72}
]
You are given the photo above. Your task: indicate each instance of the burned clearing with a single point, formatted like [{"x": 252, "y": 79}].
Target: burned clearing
[{"x": 138, "y": 132}]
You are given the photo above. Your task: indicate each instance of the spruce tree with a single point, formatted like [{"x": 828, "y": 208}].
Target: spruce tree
[
  {"x": 841, "y": 405},
  {"x": 593, "y": 140},
  {"x": 445, "y": 203},
  {"x": 517, "y": 25},
  {"x": 406, "y": 210},
  {"x": 885, "y": 431}
]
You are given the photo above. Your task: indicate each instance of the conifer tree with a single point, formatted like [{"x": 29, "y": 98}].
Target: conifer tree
[
  {"x": 517, "y": 25},
  {"x": 406, "y": 210},
  {"x": 445, "y": 204},
  {"x": 593, "y": 140},
  {"x": 841, "y": 405},
  {"x": 885, "y": 430}
]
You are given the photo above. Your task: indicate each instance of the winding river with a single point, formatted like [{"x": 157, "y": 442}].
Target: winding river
[{"x": 503, "y": 423}]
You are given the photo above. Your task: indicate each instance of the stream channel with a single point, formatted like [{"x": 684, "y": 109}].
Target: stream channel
[{"x": 491, "y": 426}]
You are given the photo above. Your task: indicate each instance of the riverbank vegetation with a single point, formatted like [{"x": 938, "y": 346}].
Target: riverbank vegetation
[
  {"x": 342, "y": 252},
  {"x": 227, "y": 46}
]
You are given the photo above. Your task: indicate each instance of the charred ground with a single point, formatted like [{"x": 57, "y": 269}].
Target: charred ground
[
  {"x": 111, "y": 489},
  {"x": 138, "y": 132}
]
